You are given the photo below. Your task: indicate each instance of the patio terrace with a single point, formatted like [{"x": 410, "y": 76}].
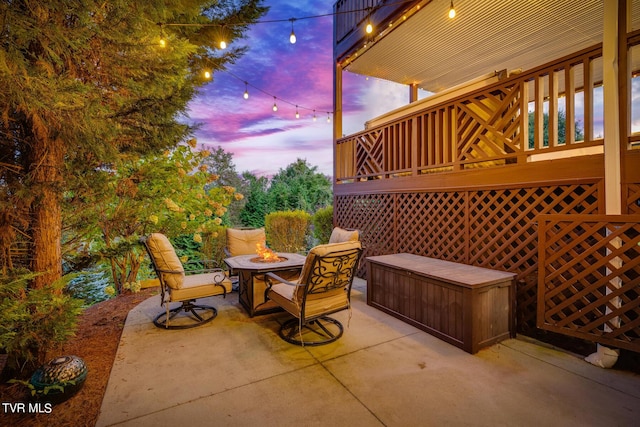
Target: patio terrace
[{"x": 237, "y": 371}]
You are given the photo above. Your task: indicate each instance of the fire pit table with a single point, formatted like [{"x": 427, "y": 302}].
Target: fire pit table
[{"x": 251, "y": 271}]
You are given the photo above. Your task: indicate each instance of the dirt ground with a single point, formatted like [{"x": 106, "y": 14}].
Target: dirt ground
[{"x": 96, "y": 342}]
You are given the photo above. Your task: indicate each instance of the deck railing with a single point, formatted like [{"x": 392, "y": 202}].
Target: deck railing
[
  {"x": 589, "y": 278},
  {"x": 542, "y": 114}
]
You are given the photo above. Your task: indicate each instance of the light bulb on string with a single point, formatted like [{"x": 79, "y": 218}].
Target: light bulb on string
[
  {"x": 275, "y": 107},
  {"x": 207, "y": 74},
  {"x": 297, "y": 113},
  {"x": 246, "y": 91},
  {"x": 292, "y": 36},
  {"x": 314, "y": 116},
  {"x": 328, "y": 117},
  {"x": 369, "y": 28},
  {"x": 223, "y": 44},
  {"x": 452, "y": 11}
]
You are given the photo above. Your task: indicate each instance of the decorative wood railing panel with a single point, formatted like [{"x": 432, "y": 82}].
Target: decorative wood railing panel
[
  {"x": 492, "y": 228},
  {"x": 589, "y": 278},
  {"x": 486, "y": 128},
  {"x": 435, "y": 126}
]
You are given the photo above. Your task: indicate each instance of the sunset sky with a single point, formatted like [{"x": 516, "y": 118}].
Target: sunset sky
[{"x": 263, "y": 141}]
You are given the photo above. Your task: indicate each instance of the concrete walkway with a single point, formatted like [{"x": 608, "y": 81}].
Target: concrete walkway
[{"x": 236, "y": 371}]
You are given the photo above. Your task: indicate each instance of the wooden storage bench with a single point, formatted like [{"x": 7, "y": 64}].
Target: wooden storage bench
[{"x": 469, "y": 307}]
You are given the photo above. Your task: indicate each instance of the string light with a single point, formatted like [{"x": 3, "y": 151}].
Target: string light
[
  {"x": 314, "y": 116},
  {"x": 452, "y": 11},
  {"x": 207, "y": 74},
  {"x": 328, "y": 117},
  {"x": 276, "y": 99},
  {"x": 292, "y": 37}
]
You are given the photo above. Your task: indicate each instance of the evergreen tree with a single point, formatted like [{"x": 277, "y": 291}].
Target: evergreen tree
[
  {"x": 256, "y": 207},
  {"x": 82, "y": 83},
  {"x": 300, "y": 187}
]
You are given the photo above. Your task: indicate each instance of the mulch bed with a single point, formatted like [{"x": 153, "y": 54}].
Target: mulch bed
[{"x": 96, "y": 342}]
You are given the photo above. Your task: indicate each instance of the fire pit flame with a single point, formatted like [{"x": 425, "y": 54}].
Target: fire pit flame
[{"x": 266, "y": 255}]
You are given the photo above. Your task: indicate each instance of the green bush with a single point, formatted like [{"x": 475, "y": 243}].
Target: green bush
[
  {"x": 287, "y": 230},
  {"x": 188, "y": 250},
  {"x": 33, "y": 321},
  {"x": 206, "y": 245},
  {"x": 213, "y": 243},
  {"x": 323, "y": 224}
]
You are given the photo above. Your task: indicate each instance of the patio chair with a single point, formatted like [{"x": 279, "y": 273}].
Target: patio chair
[
  {"x": 323, "y": 288},
  {"x": 176, "y": 286},
  {"x": 242, "y": 241},
  {"x": 339, "y": 235}
]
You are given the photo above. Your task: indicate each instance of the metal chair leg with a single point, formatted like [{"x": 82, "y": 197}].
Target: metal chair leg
[
  {"x": 320, "y": 331},
  {"x": 197, "y": 311}
]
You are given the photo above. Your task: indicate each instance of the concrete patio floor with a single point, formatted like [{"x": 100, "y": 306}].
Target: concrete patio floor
[{"x": 236, "y": 371}]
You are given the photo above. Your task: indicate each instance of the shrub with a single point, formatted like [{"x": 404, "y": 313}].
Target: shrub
[
  {"x": 33, "y": 321},
  {"x": 287, "y": 230},
  {"x": 213, "y": 242},
  {"x": 323, "y": 224}
]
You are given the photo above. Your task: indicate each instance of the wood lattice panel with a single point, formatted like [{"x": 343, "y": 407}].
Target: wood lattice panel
[
  {"x": 488, "y": 126},
  {"x": 503, "y": 231},
  {"x": 374, "y": 216},
  {"x": 432, "y": 225},
  {"x": 589, "y": 286},
  {"x": 502, "y": 223},
  {"x": 493, "y": 229},
  {"x": 633, "y": 198}
]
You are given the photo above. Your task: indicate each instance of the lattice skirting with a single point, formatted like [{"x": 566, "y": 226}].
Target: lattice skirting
[
  {"x": 491, "y": 228},
  {"x": 591, "y": 278}
]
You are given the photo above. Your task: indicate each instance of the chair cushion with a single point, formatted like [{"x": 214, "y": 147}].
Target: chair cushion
[
  {"x": 202, "y": 285},
  {"x": 166, "y": 259},
  {"x": 243, "y": 242},
  {"x": 339, "y": 235},
  {"x": 285, "y": 296}
]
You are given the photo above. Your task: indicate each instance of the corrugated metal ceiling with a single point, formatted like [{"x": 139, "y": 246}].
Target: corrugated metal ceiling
[{"x": 437, "y": 53}]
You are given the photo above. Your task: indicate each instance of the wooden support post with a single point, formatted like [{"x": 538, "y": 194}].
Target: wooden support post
[
  {"x": 337, "y": 115},
  {"x": 413, "y": 92}
]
